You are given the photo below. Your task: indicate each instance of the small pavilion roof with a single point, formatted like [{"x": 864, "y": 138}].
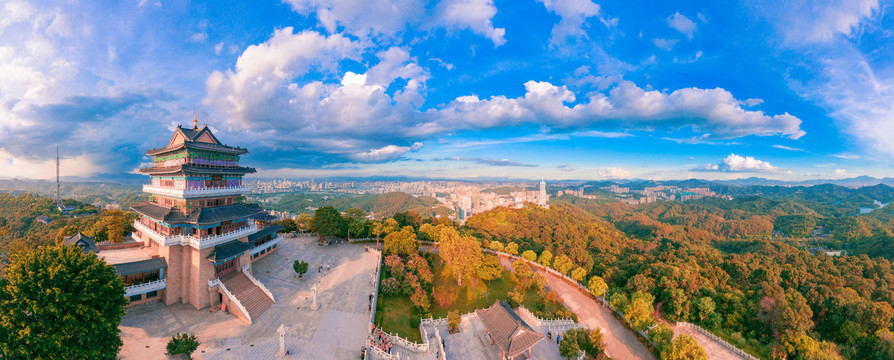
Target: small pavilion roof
[
  {"x": 272, "y": 229},
  {"x": 225, "y": 251},
  {"x": 264, "y": 216},
  {"x": 507, "y": 329},
  {"x": 82, "y": 241},
  {"x": 139, "y": 267},
  {"x": 202, "y": 216}
]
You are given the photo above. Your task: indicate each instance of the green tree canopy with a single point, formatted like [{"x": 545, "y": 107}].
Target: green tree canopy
[
  {"x": 684, "y": 347},
  {"x": 511, "y": 248},
  {"x": 563, "y": 264},
  {"x": 327, "y": 221},
  {"x": 300, "y": 267},
  {"x": 182, "y": 344},
  {"x": 402, "y": 242},
  {"x": 489, "y": 268},
  {"x": 529, "y": 255},
  {"x": 546, "y": 258},
  {"x": 461, "y": 254},
  {"x": 597, "y": 286},
  {"x": 578, "y": 274},
  {"x": 59, "y": 303}
]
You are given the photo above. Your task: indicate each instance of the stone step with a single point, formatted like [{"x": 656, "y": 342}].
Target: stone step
[{"x": 253, "y": 299}]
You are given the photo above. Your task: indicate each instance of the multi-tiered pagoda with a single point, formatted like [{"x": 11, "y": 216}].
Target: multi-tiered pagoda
[{"x": 195, "y": 220}]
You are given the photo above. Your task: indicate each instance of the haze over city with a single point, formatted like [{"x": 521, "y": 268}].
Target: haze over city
[{"x": 454, "y": 89}]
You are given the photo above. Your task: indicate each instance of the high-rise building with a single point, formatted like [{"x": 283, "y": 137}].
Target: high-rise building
[
  {"x": 542, "y": 199},
  {"x": 198, "y": 237}
]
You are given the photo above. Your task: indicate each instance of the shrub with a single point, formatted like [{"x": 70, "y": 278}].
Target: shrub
[
  {"x": 453, "y": 319},
  {"x": 300, "y": 267},
  {"x": 390, "y": 286},
  {"x": 182, "y": 344}
]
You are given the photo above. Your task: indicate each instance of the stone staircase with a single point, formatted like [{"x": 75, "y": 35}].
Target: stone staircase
[{"x": 250, "y": 295}]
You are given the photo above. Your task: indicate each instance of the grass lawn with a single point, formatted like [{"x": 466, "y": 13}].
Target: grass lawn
[{"x": 396, "y": 313}]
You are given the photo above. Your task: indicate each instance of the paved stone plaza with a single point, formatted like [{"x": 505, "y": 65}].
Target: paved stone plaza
[{"x": 336, "y": 331}]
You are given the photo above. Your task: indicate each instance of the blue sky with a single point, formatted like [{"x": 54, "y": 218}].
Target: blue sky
[{"x": 455, "y": 88}]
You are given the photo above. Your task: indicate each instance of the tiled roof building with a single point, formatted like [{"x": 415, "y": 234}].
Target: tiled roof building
[
  {"x": 508, "y": 331},
  {"x": 196, "y": 238}
]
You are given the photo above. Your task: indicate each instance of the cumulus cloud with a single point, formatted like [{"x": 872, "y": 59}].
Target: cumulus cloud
[
  {"x": 573, "y": 15},
  {"x": 385, "y": 153},
  {"x": 682, "y": 24},
  {"x": 613, "y": 173},
  {"x": 736, "y": 164},
  {"x": 474, "y": 15},
  {"x": 390, "y": 18},
  {"x": 714, "y": 112},
  {"x": 352, "y": 120}
]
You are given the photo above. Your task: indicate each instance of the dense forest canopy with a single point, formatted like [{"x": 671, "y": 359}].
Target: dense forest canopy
[
  {"x": 716, "y": 262},
  {"x": 20, "y": 229}
]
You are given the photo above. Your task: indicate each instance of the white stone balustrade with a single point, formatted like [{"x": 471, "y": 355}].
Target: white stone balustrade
[
  {"x": 145, "y": 287},
  {"x": 198, "y": 243},
  {"x": 247, "y": 271},
  {"x": 193, "y": 192},
  {"x": 216, "y": 282}
]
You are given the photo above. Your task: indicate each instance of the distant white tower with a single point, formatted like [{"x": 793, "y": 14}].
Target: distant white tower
[{"x": 542, "y": 198}]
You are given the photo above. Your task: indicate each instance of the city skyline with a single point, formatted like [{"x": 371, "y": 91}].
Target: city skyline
[{"x": 454, "y": 89}]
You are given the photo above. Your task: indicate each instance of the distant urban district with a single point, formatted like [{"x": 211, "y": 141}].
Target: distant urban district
[{"x": 800, "y": 272}]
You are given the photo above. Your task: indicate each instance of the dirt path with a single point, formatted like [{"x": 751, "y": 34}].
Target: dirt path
[{"x": 620, "y": 342}]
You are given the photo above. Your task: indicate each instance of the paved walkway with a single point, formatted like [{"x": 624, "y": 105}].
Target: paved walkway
[
  {"x": 714, "y": 350},
  {"x": 620, "y": 342},
  {"x": 336, "y": 331}
]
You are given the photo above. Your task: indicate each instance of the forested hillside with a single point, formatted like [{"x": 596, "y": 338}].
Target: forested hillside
[
  {"x": 124, "y": 194},
  {"x": 20, "y": 229},
  {"x": 767, "y": 297}
]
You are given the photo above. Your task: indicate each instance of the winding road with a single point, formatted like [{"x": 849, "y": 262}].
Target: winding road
[{"x": 620, "y": 342}]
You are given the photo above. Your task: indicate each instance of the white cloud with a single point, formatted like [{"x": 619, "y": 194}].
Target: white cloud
[
  {"x": 665, "y": 44},
  {"x": 847, "y": 156},
  {"x": 474, "y": 15},
  {"x": 613, "y": 173},
  {"x": 218, "y": 48},
  {"x": 385, "y": 153},
  {"x": 753, "y": 102},
  {"x": 841, "y": 172},
  {"x": 805, "y": 22},
  {"x": 363, "y": 18},
  {"x": 573, "y": 16},
  {"x": 19, "y": 167},
  {"x": 735, "y": 163},
  {"x": 198, "y": 37},
  {"x": 682, "y": 24},
  {"x": 789, "y": 148},
  {"x": 714, "y": 112},
  {"x": 354, "y": 119},
  {"x": 387, "y": 19}
]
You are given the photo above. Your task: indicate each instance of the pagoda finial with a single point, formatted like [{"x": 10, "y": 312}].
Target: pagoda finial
[{"x": 195, "y": 122}]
